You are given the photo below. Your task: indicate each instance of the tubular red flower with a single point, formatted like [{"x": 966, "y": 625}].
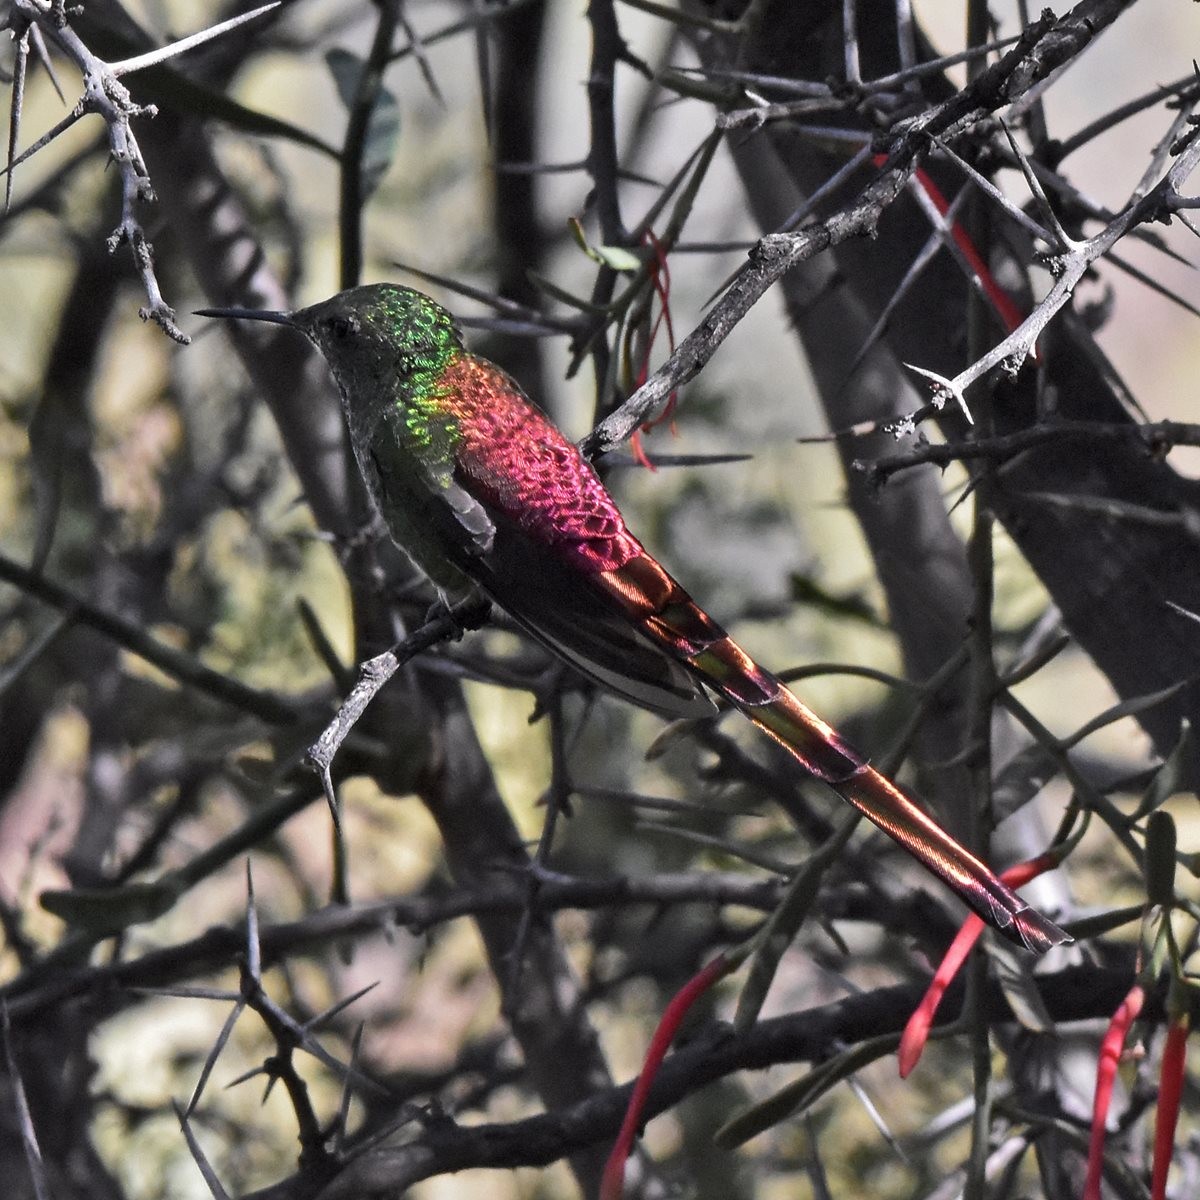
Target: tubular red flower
[
  {"x": 660, "y": 279},
  {"x": 1111, "y": 1049},
  {"x": 1007, "y": 309},
  {"x": 916, "y": 1032},
  {"x": 1170, "y": 1090},
  {"x": 613, "y": 1183}
]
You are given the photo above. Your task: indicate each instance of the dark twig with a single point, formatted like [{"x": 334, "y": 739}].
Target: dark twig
[
  {"x": 882, "y": 83},
  {"x": 603, "y": 165},
  {"x": 1042, "y": 48},
  {"x": 38, "y": 43},
  {"x": 474, "y": 20},
  {"x": 288, "y": 1038},
  {"x": 1093, "y": 129},
  {"x": 29, "y": 1140},
  {"x": 367, "y": 94},
  {"x": 1158, "y": 437},
  {"x": 15, "y": 111},
  {"x": 340, "y": 1126},
  {"x": 215, "y": 1188},
  {"x": 806, "y": 1036},
  {"x": 32, "y": 994},
  {"x": 940, "y": 236},
  {"x": 210, "y": 1059},
  {"x": 603, "y": 159},
  {"x": 133, "y": 637},
  {"x": 417, "y": 46}
]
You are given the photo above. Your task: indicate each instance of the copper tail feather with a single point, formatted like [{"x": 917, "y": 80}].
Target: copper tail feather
[{"x": 672, "y": 619}]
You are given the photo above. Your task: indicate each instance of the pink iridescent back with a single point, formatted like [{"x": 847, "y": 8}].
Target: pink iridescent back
[{"x": 522, "y": 466}]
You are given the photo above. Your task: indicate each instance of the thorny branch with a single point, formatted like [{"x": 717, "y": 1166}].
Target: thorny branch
[
  {"x": 289, "y": 1035},
  {"x": 1158, "y": 438},
  {"x": 1073, "y": 994},
  {"x": 1069, "y": 267},
  {"x": 31, "y": 996},
  {"x": 374, "y": 673},
  {"x": 1042, "y": 48},
  {"x": 105, "y": 95}
]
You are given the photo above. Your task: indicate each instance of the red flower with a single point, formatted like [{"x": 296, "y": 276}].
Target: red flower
[
  {"x": 1170, "y": 1090},
  {"x": 916, "y": 1032},
  {"x": 660, "y": 279},
  {"x": 1001, "y": 301},
  {"x": 1111, "y": 1050},
  {"x": 613, "y": 1183}
]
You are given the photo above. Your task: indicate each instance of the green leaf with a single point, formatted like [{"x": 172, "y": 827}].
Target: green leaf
[
  {"x": 1014, "y": 973},
  {"x": 346, "y": 69},
  {"x": 237, "y": 116},
  {"x": 808, "y": 591},
  {"x": 795, "y": 1097},
  {"x": 1159, "y": 862},
  {"x": 383, "y": 136},
  {"x": 575, "y": 225},
  {"x": 173, "y": 90},
  {"x": 110, "y": 910},
  {"x": 618, "y": 258},
  {"x": 1127, "y": 708},
  {"x": 1105, "y": 922},
  {"x": 1167, "y": 778},
  {"x": 1021, "y": 778},
  {"x": 383, "y": 126},
  {"x": 615, "y": 257}
]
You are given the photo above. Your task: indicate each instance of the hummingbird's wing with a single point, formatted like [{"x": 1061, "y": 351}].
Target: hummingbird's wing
[
  {"x": 550, "y": 600},
  {"x": 434, "y": 513}
]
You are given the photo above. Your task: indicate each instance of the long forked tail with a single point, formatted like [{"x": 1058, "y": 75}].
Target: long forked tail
[{"x": 669, "y": 617}]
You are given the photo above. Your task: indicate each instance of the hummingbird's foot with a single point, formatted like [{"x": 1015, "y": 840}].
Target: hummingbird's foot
[
  {"x": 439, "y": 610},
  {"x": 543, "y": 875},
  {"x": 463, "y": 615}
]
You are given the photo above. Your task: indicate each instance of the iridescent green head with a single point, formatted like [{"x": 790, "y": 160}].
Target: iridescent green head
[
  {"x": 380, "y": 340},
  {"x": 381, "y": 333}
]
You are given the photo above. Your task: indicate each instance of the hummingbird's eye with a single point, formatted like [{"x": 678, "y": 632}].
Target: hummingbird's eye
[{"x": 342, "y": 327}]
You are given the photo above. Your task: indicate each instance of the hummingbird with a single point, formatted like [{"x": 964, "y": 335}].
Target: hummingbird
[{"x": 482, "y": 491}]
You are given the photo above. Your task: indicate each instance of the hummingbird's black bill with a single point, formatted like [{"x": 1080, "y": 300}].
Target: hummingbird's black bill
[{"x": 246, "y": 314}]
